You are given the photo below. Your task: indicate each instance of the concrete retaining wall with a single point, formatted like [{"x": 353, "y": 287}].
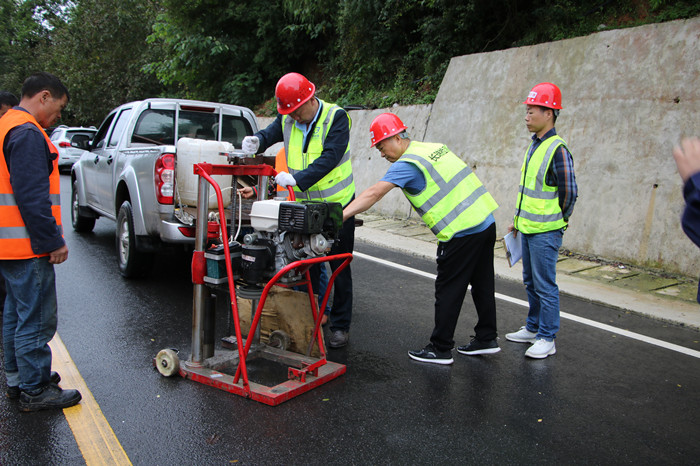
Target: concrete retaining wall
[{"x": 629, "y": 95}]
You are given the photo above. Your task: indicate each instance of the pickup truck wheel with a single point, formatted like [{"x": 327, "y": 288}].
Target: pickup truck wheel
[
  {"x": 132, "y": 263},
  {"x": 80, "y": 223}
]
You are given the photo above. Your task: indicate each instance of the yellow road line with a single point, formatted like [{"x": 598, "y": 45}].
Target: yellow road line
[{"x": 92, "y": 432}]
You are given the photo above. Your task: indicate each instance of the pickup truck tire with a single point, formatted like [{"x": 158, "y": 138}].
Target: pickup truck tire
[
  {"x": 132, "y": 262},
  {"x": 80, "y": 223}
]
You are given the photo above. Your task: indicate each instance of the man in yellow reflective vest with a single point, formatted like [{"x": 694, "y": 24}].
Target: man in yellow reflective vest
[
  {"x": 315, "y": 135},
  {"x": 459, "y": 211},
  {"x": 31, "y": 242},
  {"x": 546, "y": 198}
]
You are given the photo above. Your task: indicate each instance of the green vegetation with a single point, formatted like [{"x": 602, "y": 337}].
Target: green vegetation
[{"x": 370, "y": 53}]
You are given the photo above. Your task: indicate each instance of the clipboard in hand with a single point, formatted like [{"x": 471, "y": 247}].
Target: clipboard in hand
[{"x": 514, "y": 247}]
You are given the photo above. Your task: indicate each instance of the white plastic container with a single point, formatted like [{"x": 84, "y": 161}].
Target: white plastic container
[
  {"x": 264, "y": 215},
  {"x": 191, "y": 151}
]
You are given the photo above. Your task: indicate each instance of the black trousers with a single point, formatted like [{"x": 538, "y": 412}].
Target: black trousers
[
  {"x": 464, "y": 261},
  {"x": 341, "y": 309}
]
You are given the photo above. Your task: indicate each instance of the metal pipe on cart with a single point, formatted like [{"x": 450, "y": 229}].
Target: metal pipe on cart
[
  {"x": 262, "y": 188},
  {"x": 200, "y": 295},
  {"x": 209, "y": 326},
  {"x": 204, "y": 181}
]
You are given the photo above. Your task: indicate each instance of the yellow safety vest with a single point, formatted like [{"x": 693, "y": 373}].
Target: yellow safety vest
[
  {"x": 338, "y": 185},
  {"x": 14, "y": 238},
  {"x": 453, "y": 198},
  {"x": 538, "y": 208}
]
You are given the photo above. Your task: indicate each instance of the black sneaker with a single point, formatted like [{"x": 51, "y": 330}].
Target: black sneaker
[
  {"x": 13, "y": 393},
  {"x": 479, "y": 347},
  {"x": 339, "y": 339},
  {"x": 51, "y": 397},
  {"x": 431, "y": 354}
]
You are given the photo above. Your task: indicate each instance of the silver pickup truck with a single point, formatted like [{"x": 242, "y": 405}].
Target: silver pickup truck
[{"x": 129, "y": 174}]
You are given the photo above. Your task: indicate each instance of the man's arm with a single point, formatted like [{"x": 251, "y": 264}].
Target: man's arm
[
  {"x": 563, "y": 171},
  {"x": 30, "y": 164},
  {"x": 333, "y": 151},
  {"x": 367, "y": 199},
  {"x": 691, "y": 215},
  {"x": 270, "y": 135}
]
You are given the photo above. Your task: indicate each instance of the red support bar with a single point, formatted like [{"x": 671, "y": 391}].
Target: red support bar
[
  {"x": 199, "y": 267},
  {"x": 346, "y": 257},
  {"x": 205, "y": 170},
  {"x": 238, "y": 170}
]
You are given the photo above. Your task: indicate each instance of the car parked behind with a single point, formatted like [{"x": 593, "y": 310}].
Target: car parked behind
[{"x": 71, "y": 141}]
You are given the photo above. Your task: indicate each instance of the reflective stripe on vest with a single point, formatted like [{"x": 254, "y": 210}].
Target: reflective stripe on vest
[
  {"x": 338, "y": 185},
  {"x": 453, "y": 198},
  {"x": 538, "y": 207},
  {"x": 15, "y": 241}
]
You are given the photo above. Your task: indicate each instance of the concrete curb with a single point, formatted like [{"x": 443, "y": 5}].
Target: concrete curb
[{"x": 394, "y": 234}]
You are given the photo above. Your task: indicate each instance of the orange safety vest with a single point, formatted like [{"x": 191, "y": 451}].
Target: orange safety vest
[{"x": 14, "y": 237}]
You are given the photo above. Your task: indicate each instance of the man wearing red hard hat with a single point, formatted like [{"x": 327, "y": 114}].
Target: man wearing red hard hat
[
  {"x": 546, "y": 198},
  {"x": 316, "y": 136},
  {"x": 459, "y": 211}
]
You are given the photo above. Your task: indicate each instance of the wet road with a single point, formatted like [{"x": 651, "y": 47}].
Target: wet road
[{"x": 603, "y": 398}]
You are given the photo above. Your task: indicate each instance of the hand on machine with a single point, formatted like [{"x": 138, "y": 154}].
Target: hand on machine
[
  {"x": 250, "y": 145},
  {"x": 284, "y": 179}
]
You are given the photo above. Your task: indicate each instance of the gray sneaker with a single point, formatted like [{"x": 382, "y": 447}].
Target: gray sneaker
[
  {"x": 521, "y": 336},
  {"x": 51, "y": 397},
  {"x": 339, "y": 339}
]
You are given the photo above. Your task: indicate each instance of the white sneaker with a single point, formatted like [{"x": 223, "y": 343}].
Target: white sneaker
[
  {"x": 541, "y": 349},
  {"x": 522, "y": 336}
]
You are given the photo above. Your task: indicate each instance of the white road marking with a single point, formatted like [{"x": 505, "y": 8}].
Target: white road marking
[{"x": 565, "y": 315}]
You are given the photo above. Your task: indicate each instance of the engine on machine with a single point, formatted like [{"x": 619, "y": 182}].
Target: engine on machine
[{"x": 285, "y": 232}]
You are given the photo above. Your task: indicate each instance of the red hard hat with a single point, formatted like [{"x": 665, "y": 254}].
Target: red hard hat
[
  {"x": 292, "y": 91},
  {"x": 545, "y": 95},
  {"x": 385, "y": 126}
]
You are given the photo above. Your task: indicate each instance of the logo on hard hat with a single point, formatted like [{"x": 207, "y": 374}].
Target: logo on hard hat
[{"x": 532, "y": 95}]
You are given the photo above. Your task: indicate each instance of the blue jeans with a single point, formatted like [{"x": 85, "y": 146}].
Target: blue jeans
[
  {"x": 540, "y": 254},
  {"x": 29, "y": 321},
  {"x": 322, "y": 287},
  {"x": 341, "y": 308}
]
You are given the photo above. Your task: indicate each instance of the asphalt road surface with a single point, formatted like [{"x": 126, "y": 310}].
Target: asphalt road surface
[{"x": 622, "y": 389}]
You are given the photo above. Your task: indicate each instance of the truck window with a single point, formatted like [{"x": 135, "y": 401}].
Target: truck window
[
  {"x": 99, "y": 140},
  {"x": 155, "y": 127},
  {"x": 198, "y": 125},
  {"x": 234, "y": 129},
  {"x": 119, "y": 127},
  {"x": 205, "y": 125}
]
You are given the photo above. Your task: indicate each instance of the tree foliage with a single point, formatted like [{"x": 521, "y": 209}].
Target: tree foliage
[
  {"x": 233, "y": 52},
  {"x": 99, "y": 53},
  {"x": 372, "y": 53},
  {"x": 24, "y": 35}
]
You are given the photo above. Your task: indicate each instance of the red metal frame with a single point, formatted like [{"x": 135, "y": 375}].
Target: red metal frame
[{"x": 311, "y": 372}]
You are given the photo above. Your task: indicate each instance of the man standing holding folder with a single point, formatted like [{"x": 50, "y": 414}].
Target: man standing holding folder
[{"x": 546, "y": 198}]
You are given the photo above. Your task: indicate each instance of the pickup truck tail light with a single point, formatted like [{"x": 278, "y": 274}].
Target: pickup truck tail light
[
  {"x": 165, "y": 178},
  {"x": 64, "y": 144}
]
